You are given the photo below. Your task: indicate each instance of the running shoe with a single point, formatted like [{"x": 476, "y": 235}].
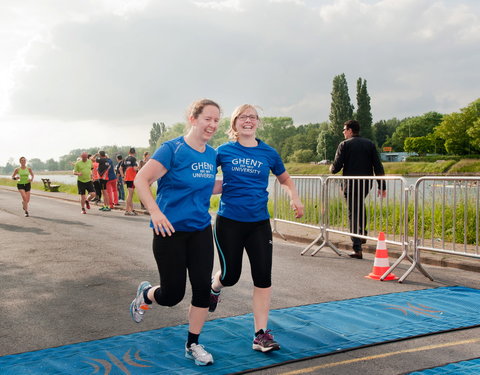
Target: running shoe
[
  {"x": 129, "y": 213},
  {"x": 138, "y": 305},
  {"x": 26, "y": 214},
  {"x": 199, "y": 355},
  {"x": 83, "y": 211},
  {"x": 214, "y": 300},
  {"x": 264, "y": 342},
  {"x": 87, "y": 204}
]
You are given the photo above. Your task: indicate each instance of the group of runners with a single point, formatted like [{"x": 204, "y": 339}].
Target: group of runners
[{"x": 98, "y": 177}]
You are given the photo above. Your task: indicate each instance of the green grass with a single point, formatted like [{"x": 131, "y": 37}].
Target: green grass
[
  {"x": 418, "y": 168},
  {"x": 439, "y": 167},
  {"x": 466, "y": 166}
]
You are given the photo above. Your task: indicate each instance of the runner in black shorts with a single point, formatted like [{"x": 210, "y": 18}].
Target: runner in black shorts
[
  {"x": 83, "y": 170},
  {"x": 84, "y": 187},
  {"x": 24, "y": 175},
  {"x": 243, "y": 220},
  {"x": 184, "y": 169},
  {"x": 26, "y": 187}
]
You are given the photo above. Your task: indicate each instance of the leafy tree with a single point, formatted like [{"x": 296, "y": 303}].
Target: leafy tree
[
  {"x": 327, "y": 145},
  {"x": 36, "y": 164},
  {"x": 364, "y": 111},
  {"x": 51, "y": 165},
  {"x": 474, "y": 133},
  {"x": 456, "y": 129},
  {"x": 384, "y": 129},
  {"x": 158, "y": 128},
  {"x": 275, "y": 130},
  {"x": 301, "y": 141},
  {"x": 176, "y": 130},
  {"x": 474, "y": 130},
  {"x": 9, "y": 167},
  {"x": 341, "y": 110},
  {"x": 420, "y": 145},
  {"x": 220, "y": 137},
  {"x": 302, "y": 156},
  {"x": 415, "y": 127},
  {"x": 323, "y": 134}
]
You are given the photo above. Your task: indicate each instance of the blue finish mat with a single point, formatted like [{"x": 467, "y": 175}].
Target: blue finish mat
[
  {"x": 303, "y": 331},
  {"x": 457, "y": 368}
]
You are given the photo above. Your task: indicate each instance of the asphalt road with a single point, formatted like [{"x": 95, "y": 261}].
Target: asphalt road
[{"x": 67, "y": 278}]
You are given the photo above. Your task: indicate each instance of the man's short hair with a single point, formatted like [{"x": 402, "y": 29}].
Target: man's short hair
[
  {"x": 353, "y": 125},
  {"x": 101, "y": 153},
  {"x": 132, "y": 150}
]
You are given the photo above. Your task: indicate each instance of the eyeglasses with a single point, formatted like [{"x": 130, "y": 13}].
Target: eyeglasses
[{"x": 245, "y": 117}]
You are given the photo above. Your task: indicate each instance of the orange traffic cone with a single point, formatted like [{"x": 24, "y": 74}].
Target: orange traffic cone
[{"x": 381, "y": 263}]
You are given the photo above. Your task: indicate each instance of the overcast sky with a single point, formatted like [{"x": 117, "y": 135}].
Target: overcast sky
[{"x": 84, "y": 73}]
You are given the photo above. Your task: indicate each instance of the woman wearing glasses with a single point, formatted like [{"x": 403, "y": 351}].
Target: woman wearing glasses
[{"x": 243, "y": 221}]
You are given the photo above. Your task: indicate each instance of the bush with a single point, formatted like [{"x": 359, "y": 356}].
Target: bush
[{"x": 302, "y": 156}]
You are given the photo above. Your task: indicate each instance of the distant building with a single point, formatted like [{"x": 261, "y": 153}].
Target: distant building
[{"x": 396, "y": 156}]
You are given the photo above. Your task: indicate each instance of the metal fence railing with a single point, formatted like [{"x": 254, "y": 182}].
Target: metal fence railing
[
  {"x": 446, "y": 217},
  {"x": 310, "y": 191},
  {"x": 442, "y": 217}
]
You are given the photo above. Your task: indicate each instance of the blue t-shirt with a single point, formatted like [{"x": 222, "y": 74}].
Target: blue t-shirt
[
  {"x": 111, "y": 171},
  {"x": 183, "y": 193},
  {"x": 245, "y": 180}
]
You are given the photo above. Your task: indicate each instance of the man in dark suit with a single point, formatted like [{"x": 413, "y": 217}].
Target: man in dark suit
[{"x": 357, "y": 156}]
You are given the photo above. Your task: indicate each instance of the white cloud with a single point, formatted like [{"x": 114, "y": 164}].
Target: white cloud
[{"x": 113, "y": 66}]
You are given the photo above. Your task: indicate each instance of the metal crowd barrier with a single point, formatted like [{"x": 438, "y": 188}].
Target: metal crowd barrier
[
  {"x": 343, "y": 196},
  {"x": 446, "y": 217},
  {"x": 310, "y": 191}
]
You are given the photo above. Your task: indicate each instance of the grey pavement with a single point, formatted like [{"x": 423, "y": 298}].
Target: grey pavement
[
  {"x": 301, "y": 234},
  {"x": 69, "y": 278}
]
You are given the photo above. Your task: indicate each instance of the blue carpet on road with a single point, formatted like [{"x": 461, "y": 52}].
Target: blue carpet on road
[
  {"x": 457, "y": 368},
  {"x": 303, "y": 331}
]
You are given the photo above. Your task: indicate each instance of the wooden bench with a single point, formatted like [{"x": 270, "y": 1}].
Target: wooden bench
[{"x": 47, "y": 185}]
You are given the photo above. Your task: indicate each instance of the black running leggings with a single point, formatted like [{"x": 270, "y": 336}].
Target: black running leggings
[
  {"x": 175, "y": 255},
  {"x": 231, "y": 237}
]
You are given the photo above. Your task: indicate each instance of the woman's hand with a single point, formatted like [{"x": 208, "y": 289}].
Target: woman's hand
[
  {"x": 161, "y": 225},
  {"x": 297, "y": 206}
]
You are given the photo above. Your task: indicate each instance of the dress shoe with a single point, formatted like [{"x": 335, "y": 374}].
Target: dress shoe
[{"x": 356, "y": 255}]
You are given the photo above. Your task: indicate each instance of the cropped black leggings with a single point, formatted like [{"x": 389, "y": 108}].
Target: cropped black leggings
[
  {"x": 175, "y": 255},
  {"x": 231, "y": 237}
]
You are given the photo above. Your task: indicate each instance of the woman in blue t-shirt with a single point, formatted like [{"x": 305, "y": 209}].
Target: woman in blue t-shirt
[
  {"x": 184, "y": 169},
  {"x": 243, "y": 221}
]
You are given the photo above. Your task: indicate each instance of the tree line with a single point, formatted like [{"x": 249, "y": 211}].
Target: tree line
[{"x": 456, "y": 133}]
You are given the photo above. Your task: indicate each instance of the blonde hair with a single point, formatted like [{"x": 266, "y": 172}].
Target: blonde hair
[{"x": 232, "y": 131}]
